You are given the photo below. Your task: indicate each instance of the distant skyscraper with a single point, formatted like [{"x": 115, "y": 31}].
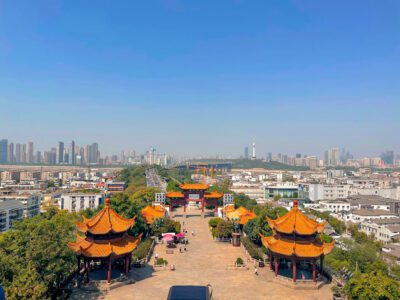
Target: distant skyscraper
[
  {"x": 95, "y": 153},
  {"x": 388, "y": 157},
  {"x": 332, "y": 157},
  {"x": 268, "y": 157},
  {"x": 30, "y": 152},
  {"x": 60, "y": 153},
  {"x": 246, "y": 152},
  {"x": 253, "y": 156},
  {"x": 3, "y": 151},
  {"x": 72, "y": 154},
  {"x": 11, "y": 157},
  {"x": 23, "y": 153},
  {"x": 18, "y": 153}
]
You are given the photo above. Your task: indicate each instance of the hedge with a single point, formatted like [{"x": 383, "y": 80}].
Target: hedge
[{"x": 254, "y": 251}]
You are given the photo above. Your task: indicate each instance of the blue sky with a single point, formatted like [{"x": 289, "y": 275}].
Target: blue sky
[{"x": 202, "y": 77}]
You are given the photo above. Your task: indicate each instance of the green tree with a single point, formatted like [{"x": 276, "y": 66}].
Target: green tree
[
  {"x": 372, "y": 286},
  {"x": 214, "y": 222},
  {"x": 224, "y": 229}
]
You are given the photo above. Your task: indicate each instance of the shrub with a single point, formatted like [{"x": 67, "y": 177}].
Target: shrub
[
  {"x": 239, "y": 261},
  {"x": 254, "y": 251},
  {"x": 161, "y": 261},
  {"x": 214, "y": 222},
  {"x": 224, "y": 229},
  {"x": 142, "y": 250}
]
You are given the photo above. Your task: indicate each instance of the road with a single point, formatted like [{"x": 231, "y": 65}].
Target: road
[{"x": 154, "y": 180}]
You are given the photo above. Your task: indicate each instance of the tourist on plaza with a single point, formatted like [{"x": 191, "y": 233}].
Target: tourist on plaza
[
  {"x": 156, "y": 256},
  {"x": 185, "y": 249},
  {"x": 255, "y": 271},
  {"x": 180, "y": 249}
]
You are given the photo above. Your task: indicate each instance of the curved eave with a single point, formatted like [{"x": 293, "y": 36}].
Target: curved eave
[
  {"x": 104, "y": 249},
  {"x": 300, "y": 250}
]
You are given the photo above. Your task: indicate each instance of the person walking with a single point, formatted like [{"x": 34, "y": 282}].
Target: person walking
[{"x": 255, "y": 271}]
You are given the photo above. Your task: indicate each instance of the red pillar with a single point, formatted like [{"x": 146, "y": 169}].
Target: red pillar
[
  {"x": 294, "y": 269},
  {"x": 184, "y": 206},
  {"x": 202, "y": 205},
  {"x": 314, "y": 275},
  {"x": 276, "y": 266},
  {"x": 109, "y": 271}
]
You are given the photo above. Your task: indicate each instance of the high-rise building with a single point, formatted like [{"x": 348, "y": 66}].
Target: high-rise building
[
  {"x": 11, "y": 157},
  {"x": 332, "y": 157},
  {"x": 268, "y": 157},
  {"x": 30, "y": 157},
  {"x": 72, "y": 154},
  {"x": 86, "y": 155},
  {"x": 246, "y": 152},
  {"x": 23, "y": 153},
  {"x": 38, "y": 157},
  {"x": 253, "y": 155},
  {"x": 18, "y": 153},
  {"x": 60, "y": 153},
  {"x": 388, "y": 157},
  {"x": 95, "y": 153},
  {"x": 3, "y": 151}
]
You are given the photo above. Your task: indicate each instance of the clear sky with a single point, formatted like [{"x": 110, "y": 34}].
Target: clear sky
[{"x": 202, "y": 77}]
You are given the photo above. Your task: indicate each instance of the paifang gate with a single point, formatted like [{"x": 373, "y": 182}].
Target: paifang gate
[{"x": 196, "y": 192}]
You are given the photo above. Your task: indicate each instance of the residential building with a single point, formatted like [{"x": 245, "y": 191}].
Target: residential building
[
  {"x": 30, "y": 202},
  {"x": 75, "y": 202},
  {"x": 10, "y": 156},
  {"x": 384, "y": 230},
  {"x": 10, "y": 211},
  {"x": 60, "y": 153},
  {"x": 3, "y": 151},
  {"x": 319, "y": 191}
]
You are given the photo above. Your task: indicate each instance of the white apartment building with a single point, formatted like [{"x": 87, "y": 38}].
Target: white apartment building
[
  {"x": 384, "y": 230},
  {"x": 253, "y": 190},
  {"x": 318, "y": 191},
  {"x": 10, "y": 211},
  {"x": 30, "y": 202},
  {"x": 334, "y": 206},
  {"x": 360, "y": 215},
  {"x": 75, "y": 202}
]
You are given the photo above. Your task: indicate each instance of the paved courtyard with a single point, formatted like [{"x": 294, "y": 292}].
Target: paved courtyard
[{"x": 206, "y": 262}]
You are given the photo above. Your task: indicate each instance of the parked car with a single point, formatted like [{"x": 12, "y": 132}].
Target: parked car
[{"x": 190, "y": 292}]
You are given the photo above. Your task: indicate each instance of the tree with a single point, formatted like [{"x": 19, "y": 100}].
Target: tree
[
  {"x": 173, "y": 186},
  {"x": 36, "y": 248},
  {"x": 224, "y": 229},
  {"x": 214, "y": 222},
  {"x": 374, "y": 286}
]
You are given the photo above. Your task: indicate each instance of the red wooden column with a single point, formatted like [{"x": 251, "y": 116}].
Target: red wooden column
[
  {"x": 126, "y": 265},
  {"x": 314, "y": 273},
  {"x": 202, "y": 205},
  {"x": 216, "y": 208},
  {"x": 276, "y": 266},
  {"x": 109, "y": 271},
  {"x": 294, "y": 269}
]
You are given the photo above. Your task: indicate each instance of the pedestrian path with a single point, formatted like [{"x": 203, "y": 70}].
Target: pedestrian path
[{"x": 206, "y": 262}]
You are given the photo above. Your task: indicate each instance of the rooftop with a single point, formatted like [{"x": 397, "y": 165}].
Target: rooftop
[
  {"x": 375, "y": 212},
  {"x": 10, "y": 204}
]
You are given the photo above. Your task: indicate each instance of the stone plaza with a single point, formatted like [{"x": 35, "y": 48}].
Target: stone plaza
[{"x": 206, "y": 261}]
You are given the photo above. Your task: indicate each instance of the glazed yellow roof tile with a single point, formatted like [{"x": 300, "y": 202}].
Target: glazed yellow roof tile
[
  {"x": 299, "y": 249},
  {"x": 296, "y": 221},
  {"x": 114, "y": 247},
  {"x": 105, "y": 221}
]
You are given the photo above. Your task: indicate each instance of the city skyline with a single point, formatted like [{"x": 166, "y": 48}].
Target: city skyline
[{"x": 133, "y": 82}]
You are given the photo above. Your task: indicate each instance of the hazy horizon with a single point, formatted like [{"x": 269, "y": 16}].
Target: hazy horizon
[{"x": 202, "y": 78}]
